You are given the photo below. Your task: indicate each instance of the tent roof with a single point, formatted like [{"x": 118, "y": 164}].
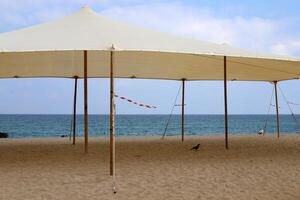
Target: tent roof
[{"x": 55, "y": 49}]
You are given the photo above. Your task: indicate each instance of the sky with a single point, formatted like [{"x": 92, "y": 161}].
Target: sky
[{"x": 263, "y": 26}]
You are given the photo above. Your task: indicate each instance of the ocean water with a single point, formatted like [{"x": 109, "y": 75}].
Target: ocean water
[{"x": 18, "y": 126}]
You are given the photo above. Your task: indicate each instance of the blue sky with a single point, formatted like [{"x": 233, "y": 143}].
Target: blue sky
[{"x": 265, "y": 26}]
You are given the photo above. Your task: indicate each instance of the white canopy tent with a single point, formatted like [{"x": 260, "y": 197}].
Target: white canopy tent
[
  {"x": 87, "y": 45},
  {"x": 55, "y": 49}
]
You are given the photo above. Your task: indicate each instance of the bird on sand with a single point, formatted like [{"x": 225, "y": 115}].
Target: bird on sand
[{"x": 195, "y": 147}]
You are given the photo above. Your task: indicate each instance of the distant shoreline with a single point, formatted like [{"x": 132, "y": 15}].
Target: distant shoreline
[{"x": 218, "y": 135}]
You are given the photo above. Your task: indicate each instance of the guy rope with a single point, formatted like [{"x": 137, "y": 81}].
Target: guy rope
[
  {"x": 288, "y": 103},
  {"x": 263, "y": 130},
  {"x": 172, "y": 110}
]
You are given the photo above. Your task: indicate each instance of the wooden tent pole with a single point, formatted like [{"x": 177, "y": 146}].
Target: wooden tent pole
[
  {"x": 225, "y": 103},
  {"x": 74, "y": 109},
  {"x": 182, "y": 110},
  {"x": 277, "y": 110},
  {"x": 85, "y": 104},
  {"x": 112, "y": 116}
]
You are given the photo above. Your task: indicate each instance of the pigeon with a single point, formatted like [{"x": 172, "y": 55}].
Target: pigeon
[
  {"x": 64, "y": 136},
  {"x": 195, "y": 147}
]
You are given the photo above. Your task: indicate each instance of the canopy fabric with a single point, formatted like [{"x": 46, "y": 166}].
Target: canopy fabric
[{"x": 55, "y": 49}]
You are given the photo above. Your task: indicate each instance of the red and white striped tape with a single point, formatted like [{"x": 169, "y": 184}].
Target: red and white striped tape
[{"x": 134, "y": 102}]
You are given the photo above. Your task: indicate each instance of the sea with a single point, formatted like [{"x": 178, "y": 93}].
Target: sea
[{"x": 28, "y": 126}]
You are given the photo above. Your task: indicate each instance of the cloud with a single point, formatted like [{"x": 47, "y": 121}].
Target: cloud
[
  {"x": 291, "y": 47},
  {"x": 16, "y": 14},
  {"x": 254, "y": 33}
]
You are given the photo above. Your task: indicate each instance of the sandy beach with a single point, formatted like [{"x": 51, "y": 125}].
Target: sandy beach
[{"x": 255, "y": 167}]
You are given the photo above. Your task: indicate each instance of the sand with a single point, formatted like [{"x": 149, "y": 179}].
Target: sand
[{"x": 255, "y": 167}]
